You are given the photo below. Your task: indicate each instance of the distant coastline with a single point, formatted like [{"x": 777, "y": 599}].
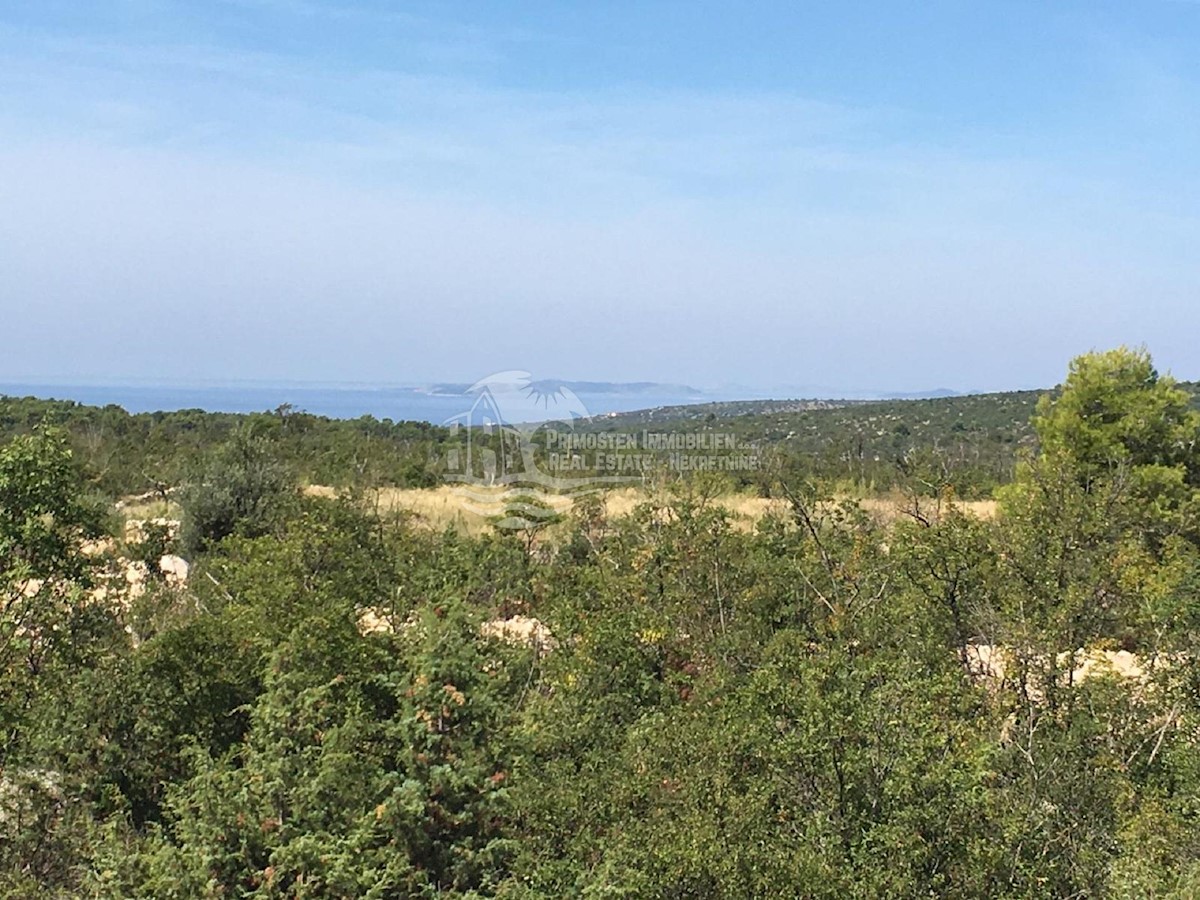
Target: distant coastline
[
  {"x": 434, "y": 402},
  {"x": 431, "y": 403}
]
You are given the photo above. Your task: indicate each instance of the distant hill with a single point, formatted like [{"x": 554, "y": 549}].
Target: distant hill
[{"x": 972, "y": 442}]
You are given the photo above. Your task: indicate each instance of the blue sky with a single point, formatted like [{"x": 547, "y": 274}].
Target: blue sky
[{"x": 859, "y": 195}]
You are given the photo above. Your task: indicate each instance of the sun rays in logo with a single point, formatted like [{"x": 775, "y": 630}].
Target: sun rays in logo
[
  {"x": 495, "y": 465},
  {"x": 520, "y": 401}
]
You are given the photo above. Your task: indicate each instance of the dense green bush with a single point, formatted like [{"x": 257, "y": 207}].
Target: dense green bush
[{"x": 242, "y": 489}]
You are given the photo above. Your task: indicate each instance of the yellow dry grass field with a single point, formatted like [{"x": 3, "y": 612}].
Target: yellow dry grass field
[{"x": 443, "y": 506}]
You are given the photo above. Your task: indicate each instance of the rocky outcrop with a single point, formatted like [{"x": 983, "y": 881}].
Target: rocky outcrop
[
  {"x": 996, "y": 665},
  {"x": 521, "y": 631}
]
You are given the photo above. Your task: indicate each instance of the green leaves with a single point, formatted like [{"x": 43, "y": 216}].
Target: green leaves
[
  {"x": 43, "y": 517},
  {"x": 372, "y": 767},
  {"x": 242, "y": 490},
  {"x": 1115, "y": 417}
]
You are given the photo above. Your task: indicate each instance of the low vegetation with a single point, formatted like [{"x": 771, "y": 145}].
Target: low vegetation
[{"x": 659, "y": 695}]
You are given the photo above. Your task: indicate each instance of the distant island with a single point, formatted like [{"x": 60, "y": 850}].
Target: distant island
[{"x": 547, "y": 385}]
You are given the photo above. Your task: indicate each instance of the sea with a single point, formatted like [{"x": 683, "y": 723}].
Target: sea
[{"x": 413, "y": 404}]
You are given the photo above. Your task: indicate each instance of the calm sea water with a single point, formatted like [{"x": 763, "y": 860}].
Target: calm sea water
[{"x": 398, "y": 404}]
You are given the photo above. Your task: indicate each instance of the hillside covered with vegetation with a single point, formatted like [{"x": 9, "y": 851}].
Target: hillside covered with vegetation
[
  {"x": 972, "y": 443},
  {"x": 337, "y": 702},
  {"x": 123, "y": 453},
  {"x": 865, "y": 446}
]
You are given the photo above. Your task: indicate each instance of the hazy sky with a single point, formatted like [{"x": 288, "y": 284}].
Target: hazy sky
[{"x": 864, "y": 195}]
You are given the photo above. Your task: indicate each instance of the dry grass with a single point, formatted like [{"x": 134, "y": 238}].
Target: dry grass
[
  {"x": 888, "y": 509},
  {"x": 443, "y": 506},
  {"x": 150, "y": 509}
]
